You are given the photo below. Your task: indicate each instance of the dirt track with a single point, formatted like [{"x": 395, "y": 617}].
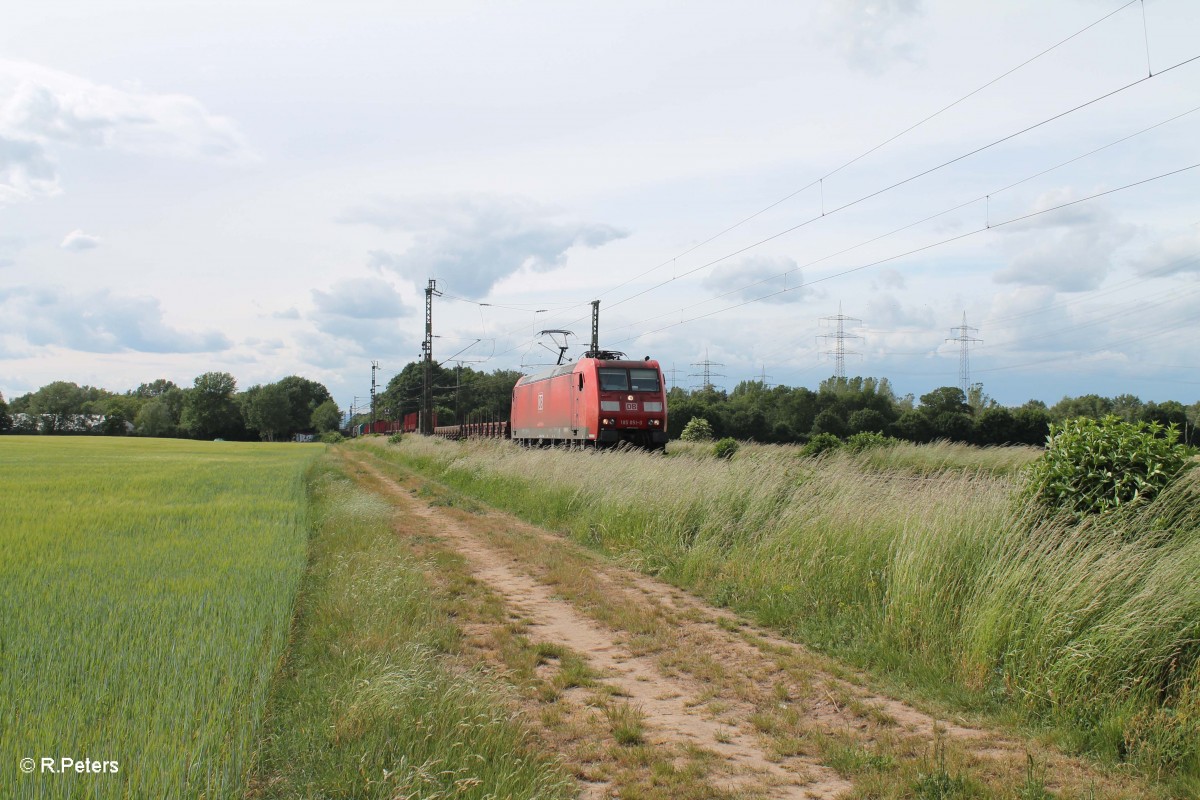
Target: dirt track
[{"x": 772, "y": 715}]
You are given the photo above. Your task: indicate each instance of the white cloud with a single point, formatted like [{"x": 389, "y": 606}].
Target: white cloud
[
  {"x": 78, "y": 240},
  {"x": 361, "y": 298},
  {"x": 1170, "y": 256},
  {"x": 872, "y": 33},
  {"x": 25, "y": 170},
  {"x": 1071, "y": 250},
  {"x": 9, "y": 246},
  {"x": 885, "y": 310},
  {"x": 362, "y": 314},
  {"x": 97, "y": 322},
  {"x": 264, "y": 346},
  {"x": 889, "y": 278},
  {"x": 47, "y": 105},
  {"x": 324, "y": 353},
  {"x": 471, "y": 242},
  {"x": 759, "y": 277},
  {"x": 41, "y": 108}
]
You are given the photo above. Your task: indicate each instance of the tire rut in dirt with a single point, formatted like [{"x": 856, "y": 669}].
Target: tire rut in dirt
[{"x": 672, "y": 705}]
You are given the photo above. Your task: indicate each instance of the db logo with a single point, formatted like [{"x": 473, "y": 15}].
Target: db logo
[{"x": 631, "y": 406}]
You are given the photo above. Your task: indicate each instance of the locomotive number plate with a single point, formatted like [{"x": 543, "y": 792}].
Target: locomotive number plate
[{"x": 631, "y": 423}]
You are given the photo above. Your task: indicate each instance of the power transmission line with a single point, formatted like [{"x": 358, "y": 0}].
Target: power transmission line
[
  {"x": 916, "y": 176},
  {"x": 965, "y": 340},
  {"x": 672, "y": 372},
  {"x": 1121, "y": 286},
  {"x": 706, "y": 372},
  {"x": 820, "y": 181},
  {"x": 908, "y": 226},
  {"x": 839, "y": 337},
  {"x": 904, "y": 181},
  {"x": 914, "y": 251}
]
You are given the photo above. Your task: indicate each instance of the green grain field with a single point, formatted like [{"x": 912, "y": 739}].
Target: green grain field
[{"x": 146, "y": 592}]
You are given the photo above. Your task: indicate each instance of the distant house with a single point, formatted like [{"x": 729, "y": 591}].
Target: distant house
[{"x": 304, "y": 437}]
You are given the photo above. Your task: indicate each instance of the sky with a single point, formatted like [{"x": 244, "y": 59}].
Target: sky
[{"x": 266, "y": 189}]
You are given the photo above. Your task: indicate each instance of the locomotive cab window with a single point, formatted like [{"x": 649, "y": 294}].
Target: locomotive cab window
[
  {"x": 614, "y": 380},
  {"x": 643, "y": 380}
]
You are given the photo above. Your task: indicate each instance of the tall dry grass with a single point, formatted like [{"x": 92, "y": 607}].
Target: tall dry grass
[{"x": 934, "y": 574}]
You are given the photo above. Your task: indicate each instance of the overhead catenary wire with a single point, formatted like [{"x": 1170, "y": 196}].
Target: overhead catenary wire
[
  {"x": 1146, "y": 38},
  {"x": 990, "y": 322},
  {"x": 1139, "y": 305},
  {"x": 923, "y": 220},
  {"x": 1161, "y": 331},
  {"x": 910, "y": 179},
  {"x": 902, "y": 182},
  {"x": 1166, "y": 298},
  {"x": 1162, "y": 299},
  {"x": 916, "y": 250},
  {"x": 525, "y": 307},
  {"x": 1121, "y": 286},
  {"x": 1007, "y": 222},
  {"x": 820, "y": 181}
]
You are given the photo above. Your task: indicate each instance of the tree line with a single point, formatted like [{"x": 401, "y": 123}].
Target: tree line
[
  {"x": 460, "y": 394},
  {"x": 846, "y": 406},
  {"x": 212, "y": 408}
]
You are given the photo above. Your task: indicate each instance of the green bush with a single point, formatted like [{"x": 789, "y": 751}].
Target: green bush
[
  {"x": 725, "y": 448},
  {"x": 868, "y": 440},
  {"x": 332, "y": 437},
  {"x": 395, "y": 438},
  {"x": 1097, "y": 466},
  {"x": 698, "y": 429},
  {"x": 820, "y": 443}
]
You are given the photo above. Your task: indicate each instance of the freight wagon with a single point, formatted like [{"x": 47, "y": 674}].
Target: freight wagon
[
  {"x": 492, "y": 429},
  {"x": 410, "y": 424}
]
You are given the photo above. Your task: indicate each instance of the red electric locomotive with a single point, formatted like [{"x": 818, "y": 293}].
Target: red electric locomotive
[{"x": 601, "y": 401}]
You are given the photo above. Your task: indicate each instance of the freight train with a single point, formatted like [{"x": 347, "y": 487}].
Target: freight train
[
  {"x": 601, "y": 400},
  {"x": 409, "y": 424}
]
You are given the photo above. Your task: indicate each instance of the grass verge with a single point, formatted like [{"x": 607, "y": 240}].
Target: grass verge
[{"x": 370, "y": 702}]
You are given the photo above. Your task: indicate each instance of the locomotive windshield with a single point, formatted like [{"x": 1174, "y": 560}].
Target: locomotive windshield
[
  {"x": 614, "y": 380},
  {"x": 643, "y": 380},
  {"x": 628, "y": 380}
]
